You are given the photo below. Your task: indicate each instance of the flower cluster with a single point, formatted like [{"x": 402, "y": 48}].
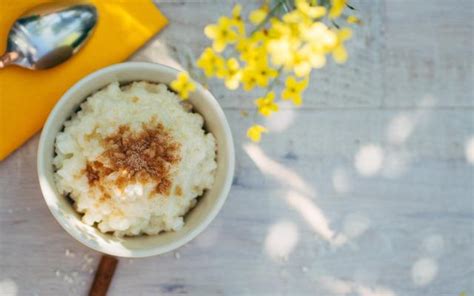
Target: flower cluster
[{"x": 282, "y": 40}]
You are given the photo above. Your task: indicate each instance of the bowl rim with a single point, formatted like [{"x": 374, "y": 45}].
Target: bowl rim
[{"x": 42, "y": 166}]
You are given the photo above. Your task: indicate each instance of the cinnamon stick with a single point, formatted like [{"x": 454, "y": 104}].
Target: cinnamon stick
[{"x": 103, "y": 276}]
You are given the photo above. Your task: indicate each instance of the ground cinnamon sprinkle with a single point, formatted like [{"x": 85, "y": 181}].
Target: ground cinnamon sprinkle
[
  {"x": 178, "y": 191},
  {"x": 144, "y": 156},
  {"x": 92, "y": 174}
]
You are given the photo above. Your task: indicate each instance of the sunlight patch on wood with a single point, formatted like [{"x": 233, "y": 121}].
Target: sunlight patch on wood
[
  {"x": 8, "y": 287},
  {"x": 369, "y": 159},
  {"x": 281, "y": 239}
]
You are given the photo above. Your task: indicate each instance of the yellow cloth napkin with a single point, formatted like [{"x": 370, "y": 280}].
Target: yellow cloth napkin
[{"x": 27, "y": 97}]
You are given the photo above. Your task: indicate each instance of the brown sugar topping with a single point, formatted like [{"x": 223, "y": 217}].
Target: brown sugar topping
[
  {"x": 92, "y": 174},
  {"x": 144, "y": 156}
]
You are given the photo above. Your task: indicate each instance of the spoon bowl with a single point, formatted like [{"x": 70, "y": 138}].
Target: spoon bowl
[{"x": 48, "y": 35}]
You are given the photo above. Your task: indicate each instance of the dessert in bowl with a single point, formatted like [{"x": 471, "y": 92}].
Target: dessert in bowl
[{"x": 126, "y": 169}]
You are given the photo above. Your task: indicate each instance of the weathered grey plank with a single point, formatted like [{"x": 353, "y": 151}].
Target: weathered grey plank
[
  {"x": 391, "y": 214},
  {"x": 429, "y": 51}
]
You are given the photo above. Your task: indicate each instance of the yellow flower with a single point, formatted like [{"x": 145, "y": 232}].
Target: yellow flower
[
  {"x": 284, "y": 52},
  {"x": 252, "y": 48},
  {"x": 293, "y": 90},
  {"x": 236, "y": 11},
  {"x": 232, "y": 74},
  {"x": 315, "y": 55},
  {"x": 290, "y": 27},
  {"x": 237, "y": 19},
  {"x": 281, "y": 50},
  {"x": 320, "y": 40},
  {"x": 295, "y": 17},
  {"x": 255, "y": 132},
  {"x": 183, "y": 85},
  {"x": 253, "y": 53},
  {"x": 249, "y": 78},
  {"x": 310, "y": 11},
  {"x": 257, "y": 16},
  {"x": 339, "y": 52},
  {"x": 264, "y": 73},
  {"x": 301, "y": 64},
  {"x": 337, "y": 6},
  {"x": 211, "y": 63},
  {"x": 257, "y": 71},
  {"x": 244, "y": 46},
  {"x": 352, "y": 19},
  {"x": 283, "y": 43},
  {"x": 317, "y": 32},
  {"x": 266, "y": 104},
  {"x": 279, "y": 28},
  {"x": 261, "y": 37},
  {"x": 221, "y": 33}
]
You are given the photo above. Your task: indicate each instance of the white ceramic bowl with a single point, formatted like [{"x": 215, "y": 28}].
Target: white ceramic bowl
[{"x": 141, "y": 246}]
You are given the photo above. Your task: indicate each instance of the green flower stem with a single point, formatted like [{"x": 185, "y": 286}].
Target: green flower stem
[
  {"x": 288, "y": 6},
  {"x": 255, "y": 115},
  {"x": 350, "y": 6},
  {"x": 276, "y": 79},
  {"x": 325, "y": 3}
]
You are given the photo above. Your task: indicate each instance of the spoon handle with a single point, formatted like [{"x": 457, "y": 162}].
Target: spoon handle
[
  {"x": 103, "y": 276},
  {"x": 8, "y": 58}
]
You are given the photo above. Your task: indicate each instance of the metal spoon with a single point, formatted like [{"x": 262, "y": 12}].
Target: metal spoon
[{"x": 48, "y": 35}]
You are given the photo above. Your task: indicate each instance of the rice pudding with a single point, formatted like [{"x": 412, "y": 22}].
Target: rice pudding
[{"x": 133, "y": 160}]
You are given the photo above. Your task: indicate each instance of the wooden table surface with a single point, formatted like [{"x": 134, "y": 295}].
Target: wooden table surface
[{"x": 365, "y": 190}]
